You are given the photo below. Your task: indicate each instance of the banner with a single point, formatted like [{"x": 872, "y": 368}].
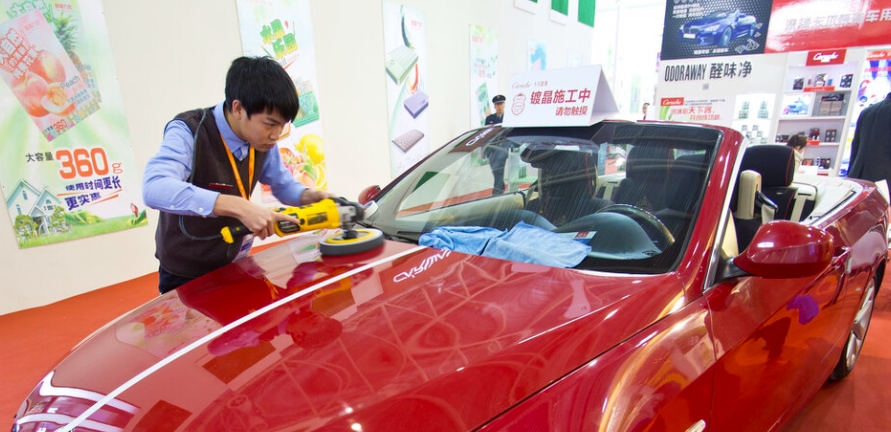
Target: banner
[
  {"x": 282, "y": 29},
  {"x": 715, "y": 110},
  {"x": 712, "y": 28},
  {"x": 802, "y": 25},
  {"x": 483, "y": 73},
  {"x": 405, "y": 67},
  {"x": 68, "y": 168}
]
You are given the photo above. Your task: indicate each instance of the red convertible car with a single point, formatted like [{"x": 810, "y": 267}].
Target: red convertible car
[{"x": 618, "y": 277}]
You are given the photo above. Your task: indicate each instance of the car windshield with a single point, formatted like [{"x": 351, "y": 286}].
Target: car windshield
[{"x": 630, "y": 191}]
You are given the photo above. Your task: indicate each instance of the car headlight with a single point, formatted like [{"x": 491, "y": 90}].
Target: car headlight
[{"x": 712, "y": 28}]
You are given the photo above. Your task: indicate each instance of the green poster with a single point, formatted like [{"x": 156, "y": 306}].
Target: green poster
[{"x": 68, "y": 170}]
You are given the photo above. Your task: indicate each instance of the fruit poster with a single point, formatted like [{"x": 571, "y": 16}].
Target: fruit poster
[
  {"x": 282, "y": 29},
  {"x": 42, "y": 76},
  {"x": 68, "y": 170}
]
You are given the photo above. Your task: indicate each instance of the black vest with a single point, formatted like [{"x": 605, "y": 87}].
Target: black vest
[{"x": 191, "y": 246}]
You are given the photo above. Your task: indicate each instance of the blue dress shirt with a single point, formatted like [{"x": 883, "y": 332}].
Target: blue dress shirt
[{"x": 164, "y": 185}]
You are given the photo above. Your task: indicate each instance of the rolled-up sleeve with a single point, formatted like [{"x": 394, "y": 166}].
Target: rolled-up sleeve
[{"x": 164, "y": 185}]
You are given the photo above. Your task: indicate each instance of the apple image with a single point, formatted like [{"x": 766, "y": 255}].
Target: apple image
[
  {"x": 48, "y": 66},
  {"x": 30, "y": 91},
  {"x": 56, "y": 100}
]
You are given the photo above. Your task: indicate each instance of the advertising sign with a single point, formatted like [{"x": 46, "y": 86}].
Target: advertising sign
[
  {"x": 559, "y": 97},
  {"x": 803, "y": 25},
  {"x": 282, "y": 29},
  {"x": 68, "y": 170},
  {"x": 405, "y": 68},
  {"x": 42, "y": 76},
  {"x": 716, "y": 110},
  {"x": 483, "y": 73},
  {"x": 712, "y": 28}
]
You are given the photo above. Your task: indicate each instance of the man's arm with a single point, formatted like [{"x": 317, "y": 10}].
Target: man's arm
[
  {"x": 284, "y": 187},
  {"x": 164, "y": 185}
]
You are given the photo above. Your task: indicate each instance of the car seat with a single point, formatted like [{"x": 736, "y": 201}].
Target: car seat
[
  {"x": 776, "y": 164},
  {"x": 646, "y": 173},
  {"x": 566, "y": 184},
  {"x": 683, "y": 188}
]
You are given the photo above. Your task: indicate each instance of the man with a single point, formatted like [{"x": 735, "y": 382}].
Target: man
[
  {"x": 495, "y": 154},
  {"x": 209, "y": 163},
  {"x": 871, "y": 146},
  {"x": 643, "y": 110},
  {"x": 496, "y": 118}
]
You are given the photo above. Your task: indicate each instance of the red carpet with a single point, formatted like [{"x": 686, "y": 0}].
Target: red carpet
[{"x": 33, "y": 340}]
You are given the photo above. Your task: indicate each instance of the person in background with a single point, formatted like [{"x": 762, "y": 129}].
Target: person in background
[
  {"x": 209, "y": 163},
  {"x": 643, "y": 110},
  {"x": 871, "y": 146},
  {"x": 496, "y": 155},
  {"x": 496, "y": 118},
  {"x": 798, "y": 143}
]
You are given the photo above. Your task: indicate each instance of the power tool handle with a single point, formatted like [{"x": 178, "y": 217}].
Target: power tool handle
[{"x": 229, "y": 233}]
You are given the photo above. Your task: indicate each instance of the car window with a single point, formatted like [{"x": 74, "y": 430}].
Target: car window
[{"x": 629, "y": 191}]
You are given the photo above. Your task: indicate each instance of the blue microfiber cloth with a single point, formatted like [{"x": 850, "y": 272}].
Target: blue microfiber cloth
[
  {"x": 523, "y": 243},
  {"x": 470, "y": 240}
]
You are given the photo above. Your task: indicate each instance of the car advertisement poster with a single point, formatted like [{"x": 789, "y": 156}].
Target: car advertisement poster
[
  {"x": 712, "y": 28},
  {"x": 282, "y": 29},
  {"x": 405, "y": 71},
  {"x": 73, "y": 175},
  {"x": 802, "y": 25},
  {"x": 483, "y": 73}
]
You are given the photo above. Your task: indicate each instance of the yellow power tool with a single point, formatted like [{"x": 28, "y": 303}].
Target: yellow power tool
[{"x": 327, "y": 213}]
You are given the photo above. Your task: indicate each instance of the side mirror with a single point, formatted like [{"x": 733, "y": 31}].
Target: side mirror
[
  {"x": 786, "y": 249},
  {"x": 368, "y": 194}
]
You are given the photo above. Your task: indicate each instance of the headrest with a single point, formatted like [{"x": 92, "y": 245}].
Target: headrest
[
  {"x": 684, "y": 182},
  {"x": 649, "y": 162},
  {"x": 775, "y": 163},
  {"x": 560, "y": 165}
]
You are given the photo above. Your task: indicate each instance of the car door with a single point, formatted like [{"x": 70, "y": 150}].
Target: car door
[{"x": 772, "y": 337}]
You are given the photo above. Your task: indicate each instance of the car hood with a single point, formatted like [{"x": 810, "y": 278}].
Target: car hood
[{"x": 402, "y": 337}]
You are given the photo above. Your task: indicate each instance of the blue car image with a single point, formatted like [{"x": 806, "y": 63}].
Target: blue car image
[{"x": 718, "y": 28}]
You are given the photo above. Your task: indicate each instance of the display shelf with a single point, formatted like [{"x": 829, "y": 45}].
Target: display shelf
[{"x": 816, "y": 102}]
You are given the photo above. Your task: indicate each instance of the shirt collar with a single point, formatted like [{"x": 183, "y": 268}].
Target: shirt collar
[{"x": 237, "y": 146}]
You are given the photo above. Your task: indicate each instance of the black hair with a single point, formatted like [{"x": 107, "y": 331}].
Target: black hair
[
  {"x": 797, "y": 141},
  {"x": 262, "y": 85}
]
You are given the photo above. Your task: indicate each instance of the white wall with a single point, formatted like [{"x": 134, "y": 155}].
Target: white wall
[{"x": 172, "y": 55}]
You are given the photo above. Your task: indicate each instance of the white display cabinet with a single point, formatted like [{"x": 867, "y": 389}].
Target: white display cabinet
[{"x": 816, "y": 101}]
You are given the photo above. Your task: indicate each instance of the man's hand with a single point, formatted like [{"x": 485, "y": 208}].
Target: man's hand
[
  {"x": 258, "y": 219},
  {"x": 312, "y": 195}
]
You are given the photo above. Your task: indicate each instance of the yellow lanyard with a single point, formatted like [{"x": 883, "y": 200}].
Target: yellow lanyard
[{"x": 235, "y": 170}]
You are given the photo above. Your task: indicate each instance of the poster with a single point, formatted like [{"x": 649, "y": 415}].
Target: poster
[
  {"x": 282, "y": 29},
  {"x": 42, "y": 76},
  {"x": 68, "y": 170},
  {"x": 483, "y": 73},
  {"x": 536, "y": 55},
  {"x": 802, "y": 25},
  {"x": 405, "y": 74},
  {"x": 712, "y": 28},
  {"x": 714, "y": 110}
]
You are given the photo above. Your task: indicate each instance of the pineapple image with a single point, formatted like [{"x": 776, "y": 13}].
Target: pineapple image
[{"x": 66, "y": 30}]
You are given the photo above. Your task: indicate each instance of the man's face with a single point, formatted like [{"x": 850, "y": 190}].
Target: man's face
[
  {"x": 261, "y": 130},
  {"x": 499, "y": 108}
]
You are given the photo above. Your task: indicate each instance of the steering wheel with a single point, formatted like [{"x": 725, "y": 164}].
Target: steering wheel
[{"x": 657, "y": 231}]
